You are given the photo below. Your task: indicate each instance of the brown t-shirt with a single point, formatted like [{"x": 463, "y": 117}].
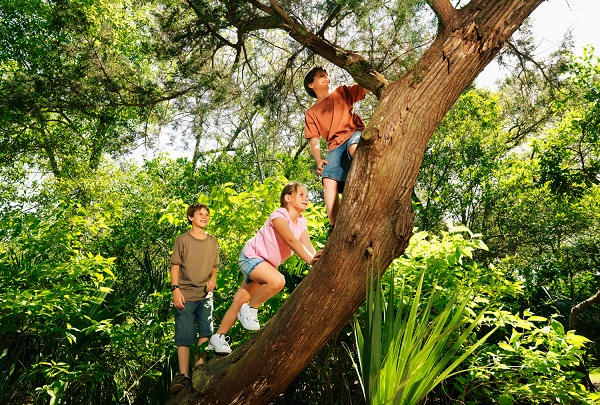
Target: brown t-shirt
[
  {"x": 334, "y": 118},
  {"x": 196, "y": 258}
]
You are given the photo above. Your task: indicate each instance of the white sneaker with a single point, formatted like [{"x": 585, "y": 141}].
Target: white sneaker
[
  {"x": 248, "y": 316},
  {"x": 219, "y": 343}
]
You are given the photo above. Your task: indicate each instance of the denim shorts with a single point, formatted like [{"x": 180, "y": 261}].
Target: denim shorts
[
  {"x": 339, "y": 159},
  {"x": 194, "y": 313},
  {"x": 247, "y": 265}
]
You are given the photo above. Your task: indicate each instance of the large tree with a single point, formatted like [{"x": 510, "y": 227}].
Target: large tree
[{"x": 376, "y": 219}]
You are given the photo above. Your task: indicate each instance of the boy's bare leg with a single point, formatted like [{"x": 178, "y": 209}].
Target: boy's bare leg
[
  {"x": 332, "y": 199},
  {"x": 200, "y": 359},
  {"x": 352, "y": 150},
  {"x": 183, "y": 356}
]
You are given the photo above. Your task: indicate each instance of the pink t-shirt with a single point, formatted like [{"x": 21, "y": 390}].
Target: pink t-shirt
[{"x": 269, "y": 245}]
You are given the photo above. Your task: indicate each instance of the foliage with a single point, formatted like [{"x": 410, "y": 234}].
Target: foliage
[
  {"x": 52, "y": 303},
  {"x": 84, "y": 252},
  {"x": 448, "y": 261},
  {"x": 536, "y": 199},
  {"x": 513, "y": 360},
  {"x": 66, "y": 88},
  {"x": 409, "y": 348},
  {"x": 570, "y": 154},
  {"x": 459, "y": 161},
  {"x": 532, "y": 364}
]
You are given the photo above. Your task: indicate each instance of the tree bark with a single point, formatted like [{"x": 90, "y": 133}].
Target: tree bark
[{"x": 375, "y": 221}]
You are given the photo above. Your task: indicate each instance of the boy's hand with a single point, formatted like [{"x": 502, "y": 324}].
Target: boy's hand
[
  {"x": 320, "y": 165},
  {"x": 178, "y": 300},
  {"x": 210, "y": 285}
]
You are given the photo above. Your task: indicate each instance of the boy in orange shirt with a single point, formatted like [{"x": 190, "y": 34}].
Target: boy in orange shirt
[{"x": 333, "y": 118}]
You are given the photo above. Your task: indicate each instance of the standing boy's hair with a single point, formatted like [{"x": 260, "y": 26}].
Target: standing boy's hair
[
  {"x": 289, "y": 189},
  {"x": 310, "y": 77},
  {"x": 195, "y": 207}
]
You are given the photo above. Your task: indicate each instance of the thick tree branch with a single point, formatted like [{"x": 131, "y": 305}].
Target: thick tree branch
[
  {"x": 261, "y": 6},
  {"x": 444, "y": 11},
  {"x": 578, "y": 309},
  {"x": 358, "y": 67}
]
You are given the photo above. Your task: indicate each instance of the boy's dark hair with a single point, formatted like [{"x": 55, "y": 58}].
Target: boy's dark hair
[
  {"x": 289, "y": 189},
  {"x": 195, "y": 207},
  {"x": 310, "y": 77}
]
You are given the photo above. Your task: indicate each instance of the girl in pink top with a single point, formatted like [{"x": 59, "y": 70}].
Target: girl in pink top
[{"x": 283, "y": 234}]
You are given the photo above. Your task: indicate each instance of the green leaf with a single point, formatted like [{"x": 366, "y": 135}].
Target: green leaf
[{"x": 505, "y": 399}]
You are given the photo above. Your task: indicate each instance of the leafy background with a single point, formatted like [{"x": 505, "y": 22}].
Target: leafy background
[{"x": 506, "y": 203}]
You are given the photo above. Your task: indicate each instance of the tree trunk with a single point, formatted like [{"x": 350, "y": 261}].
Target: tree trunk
[
  {"x": 376, "y": 219},
  {"x": 579, "y": 308}
]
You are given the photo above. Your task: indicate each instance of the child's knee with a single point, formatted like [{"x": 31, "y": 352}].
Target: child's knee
[
  {"x": 352, "y": 149},
  {"x": 279, "y": 283},
  {"x": 241, "y": 296},
  {"x": 330, "y": 186}
]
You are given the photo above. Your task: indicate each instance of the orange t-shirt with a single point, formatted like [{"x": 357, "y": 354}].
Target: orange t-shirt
[{"x": 334, "y": 118}]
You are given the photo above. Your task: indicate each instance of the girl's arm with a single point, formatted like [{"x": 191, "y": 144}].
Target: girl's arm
[
  {"x": 283, "y": 229},
  {"x": 305, "y": 239}
]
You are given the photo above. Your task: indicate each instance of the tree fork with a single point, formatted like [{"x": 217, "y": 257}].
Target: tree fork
[{"x": 375, "y": 220}]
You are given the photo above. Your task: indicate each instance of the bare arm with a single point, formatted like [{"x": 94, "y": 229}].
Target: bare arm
[
  {"x": 283, "y": 229},
  {"x": 315, "y": 150},
  {"x": 178, "y": 300},
  {"x": 305, "y": 239},
  {"x": 211, "y": 284}
]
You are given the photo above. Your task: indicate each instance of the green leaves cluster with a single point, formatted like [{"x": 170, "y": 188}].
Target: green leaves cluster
[
  {"x": 445, "y": 332},
  {"x": 519, "y": 167},
  {"x": 538, "y": 362},
  {"x": 569, "y": 155},
  {"x": 409, "y": 348},
  {"x": 51, "y": 302}
]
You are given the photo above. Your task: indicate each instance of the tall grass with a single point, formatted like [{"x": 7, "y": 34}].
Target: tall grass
[{"x": 408, "y": 348}]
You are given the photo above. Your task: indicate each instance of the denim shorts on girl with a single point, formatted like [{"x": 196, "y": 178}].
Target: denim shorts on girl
[
  {"x": 194, "y": 314},
  {"x": 247, "y": 265},
  {"x": 339, "y": 159}
]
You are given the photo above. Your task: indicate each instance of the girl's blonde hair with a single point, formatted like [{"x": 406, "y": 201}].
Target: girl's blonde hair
[{"x": 289, "y": 189}]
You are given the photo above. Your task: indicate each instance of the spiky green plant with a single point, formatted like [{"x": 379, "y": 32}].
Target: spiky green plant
[{"x": 407, "y": 349}]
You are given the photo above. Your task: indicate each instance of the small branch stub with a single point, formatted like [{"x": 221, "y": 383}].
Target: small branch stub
[{"x": 369, "y": 133}]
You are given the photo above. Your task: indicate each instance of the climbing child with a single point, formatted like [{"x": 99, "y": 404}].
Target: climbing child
[
  {"x": 283, "y": 234},
  {"x": 332, "y": 117}
]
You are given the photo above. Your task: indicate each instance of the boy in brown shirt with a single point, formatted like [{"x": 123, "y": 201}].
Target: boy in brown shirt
[
  {"x": 194, "y": 265},
  {"x": 333, "y": 118}
]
